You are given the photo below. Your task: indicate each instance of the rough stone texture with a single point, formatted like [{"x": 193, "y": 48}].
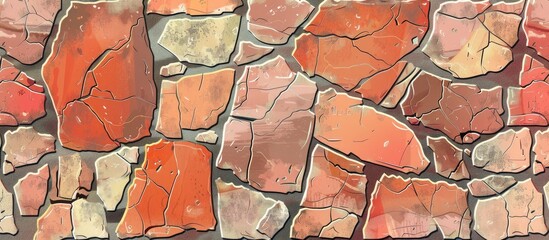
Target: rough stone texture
[
  {"x": 192, "y": 7},
  {"x": 171, "y": 193},
  {"x": 173, "y": 69},
  {"x": 209, "y": 41},
  {"x": 55, "y": 223},
  {"x": 30, "y": 191},
  {"x": 194, "y": 102},
  {"x": 71, "y": 178},
  {"x": 491, "y": 185},
  {"x": 414, "y": 208},
  {"x": 7, "y": 222},
  {"x": 25, "y": 146},
  {"x": 130, "y": 154},
  {"x": 271, "y": 105},
  {"x": 541, "y": 151},
  {"x": 323, "y": 222},
  {"x": 207, "y": 137},
  {"x": 342, "y": 122},
  {"x": 264, "y": 217},
  {"x": 536, "y": 26},
  {"x": 26, "y": 26},
  {"x": 517, "y": 212},
  {"x": 113, "y": 174},
  {"x": 348, "y": 41},
  {"x": 249, "y": 52},
  {"x": 508, "y": 151},
  {"x": 98, "y": 106},
  {"x": 448, "y": 159},
  {"x": 461, "y": 111},
  {"x": 88, "y": 220},
  {"x": 274, "y": 21}
]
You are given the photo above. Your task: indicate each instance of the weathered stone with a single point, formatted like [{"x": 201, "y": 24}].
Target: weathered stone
[
  {"x": 71, "y": 178},
  {"x": 207, "y": 137},
  {"x": 113, "y": 174},
  {"x": 324, "y": 223},
  {"x": 192, "y": 7},
  {"x": 7, "y": 221},
  {"x": 541, "y": 151},
  {"x": 536, "y": 26},
  {"x": 88, "y": 220},
  {"x": 55, "y": 223},
  {"x": 30, "y": 191},
  {"x": 491, "y": 185},
  {"x": 208, "y": 41},
  {"x": 173, "y": 69},
  {"x": 99, "y": 106},
  {"x": 25, "y": 146},
  {"x": 508, "y": 151},
  {"x": 348, "y": 41},
  {"x": 448, "y": 159},
  {"x": 249, "y": 52},
  {"x": 130, "y": 154}
]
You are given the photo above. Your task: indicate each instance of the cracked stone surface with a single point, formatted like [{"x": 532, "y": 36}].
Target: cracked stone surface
[
  {"x": 461, "y": 111},
  {"x": 171, "y": 193},
  {"x": 30, "y": 191},
  {"x": 113, "y": 174},
  {"x": 207, "y": 137},
  {"x": 55, "y": 223},
  {"x": 274, "y": 21},
  {"x": 448, "y": 158},
  {"x": 373, "y": 38},
  {"x": 7, "y": 222},
  {"x": 541, "y": 151},
  {"x": 271, "y": 105},
  {"x": 88, "y": 220},
  {"x": 343, "y": 123},
  {"x": 491, "y": 185},
  {"x": 173, "y": 69},
  {"x": 517, "y": 212},
  {"x": 249, "y": 52},
  {"x": 25, "y": 146},
  {"x": 194, "y": 102},
  {"x": 264, "y": 216},
  {"x": 71, "y": 178},
  {"x": 26, "y": 26},
  {"x": 323, "y": 222},
  {"x": 508, "y": 151},
  {"x": 192, "y": 7},
  {"x": 117, "y": 105},
  {"x": 536, "y": 27},
  {"x": 414, "y": 208},
  {"x": 209, "y": 41}
]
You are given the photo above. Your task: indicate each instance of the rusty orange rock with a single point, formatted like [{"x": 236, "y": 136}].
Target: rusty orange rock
[
  {"x": 536, "y": 26},
  {"x": 192, "y": 7}
]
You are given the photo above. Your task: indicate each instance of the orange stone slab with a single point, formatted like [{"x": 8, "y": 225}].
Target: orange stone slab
[
  {"x": 55, "y": 223},
  {"x": 192, "y": 7},
  {"x": 536, "y": 26}
]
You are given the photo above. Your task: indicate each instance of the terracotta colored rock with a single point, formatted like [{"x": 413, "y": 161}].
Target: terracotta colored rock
[
  {"x": 517, "y": 212},
  {"x": 26, "y": 26},
  {"x": 171, "y": 193},
  {"x": 414, "y": 208},
  {"x": 264, "y": 216},
  {"x": 194, "y": 102},
  {"x": 532, "y": 70},
  {"x": 348, "y": 41},
  {"x": 207, "y": 137},
  {"x": 491, "y": 185},
  {"x": 30, "y": 191},
  {"x": 70, "y": 179},
  {"x": 209, "y": 41},
  {"x": 236, "y": 148},
  {"x": 508, "y": 151},
  {"x": 25, "y": 146},
  {"x": 473, "y": 38},
  {"x": 173, "y": 69},
  {"x": 55, "y": 223},
  {"x": 461, "y": 111},
  {"x": 536, "y": 26},
  {"x": 88, "y": 220},
  {"x": 7, "y": 223},
  {"x": 448, "y": 159},
  {"x": 541, "y": 151},
  {"x": 113, "y": 174},
  {"x": 249, "y": 52},
  {"x": 343, "y": 123},
  {"x": 98, "y": 105},
  {"x": 192, "y": 7},
  {"x": 324, "y": 223},
  {"x": 21, "y": 99}
]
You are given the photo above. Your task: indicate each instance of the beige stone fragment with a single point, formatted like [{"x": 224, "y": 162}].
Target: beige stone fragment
[
  {"x": 7, "y": 222},
  {"x": 491, "y": 185},
  {"x": 207, "y": 137},
  {"x": 508, "y": 151},
  {"x": 88, "y": 220},
  {"x": 70, "y": 168},
  {"x": 113, "y": 174},
  {"x": 173, "y": 69},
  {"x": 25, "y": 146}
]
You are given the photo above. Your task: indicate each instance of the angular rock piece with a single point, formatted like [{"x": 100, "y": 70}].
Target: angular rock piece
[
  {"x": 171, "y": 193},
  {"x": 71, "y": 178},
  {"x": 448, "y": 159},
  {"x": 192, "y": 7},
  {"x": 55, "y": 223},
  {"x": 348, "y": 41},
  {"x": 25, "y": 146},
  {"x": 113, "y": 174},
  {"x": 343, "y": 123},
  {"x": 508, "y": 151},
  {"x": 324, "y": 223},
  {"x": 7, "y": 223},
  {"x": 274, "y": 21},
  {"x": 88, "y": 220},
  {"x": 414, "y": 208},
  {"x": 173, "y": 69},
  {"x": 194, "y": 102},
  {"x": 264, "y": 216},
  {"x": 532, "y": 70},
  {"x": 461, "y": 111},
  {"x": 541, "y": 151},
  {"x": 491, "y": 185},
  {"x": 208, "y": 41},
  {"x": 517, "y": 212},
  {"x": 207, "y": 137},
  {"x": 536, "y": 26},
  {"x": 130, "y": 154},
  {"x": 30, "y": 191},
  {"x": 26, "y": 26},
  {"x": 249, "y": 52},
  {"x": 98, "y": 105}
]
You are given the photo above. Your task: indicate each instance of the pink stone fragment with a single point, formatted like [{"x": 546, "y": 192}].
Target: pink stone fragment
[
  {"x": 448, "y": 159},
  {"x": 491, "y": 185},
  {"x": 541, "y": 151},
  {"x": 192, "y": 7},
  {"x": 249, "y": 52},
  {"x": 30, "y": 191},
  {"x": 25, "y": 146},
  {"x": 55, "y": 223},
  {"x": 324, "y": 223},
  {"x": 536, "y": 26},
  {"x": 173, "y": 69},
  {"x": 508, "y": 151}
]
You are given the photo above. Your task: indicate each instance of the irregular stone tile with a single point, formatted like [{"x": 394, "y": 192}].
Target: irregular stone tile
[
  {"x": 209, "y": 41},
  {"x": 55, "y": 223},
  {"x": 25, "y": 146},
  {"x": 508, "y": 151},
  {"x": 448, "y": 159},
  {"x": 473, "y": 38},
  {"x": 274, "y": 21},
  {"x": 192, "y": 7},
  {"x": 324, "y": 223},
  {"x": 207, "y": 137},
  {"x": 113, "y": 174},
  {"x": 98, "y": 106},
  {"x": 271, "y": 105},
  {"x": 343, "y": 123},
  {"x": 532, "y": 70},
  {"x": 491, "y": 185},
  {"x": 249, "y": 52},
  {"x": 194, "y": 102},
  {"x": 414, "y": 208},
  {"x": 517, "y": 212},
  {"x": 30, "y": 191},
  {"x": 461, "y": 111},
  {"x": 88, "y": 220},
  {"x": 264, "y": 216},
  {"x": 173, "y": 69},
  {"x": 26, "y": 26},
  {"x": 541, "y": 151},
  {"x": 7, "y": 223},
  {"x": 372, "y": 38},
  {"x": 536, "y": 26},
  {"x": 171, "y": 193},
  {"x": 71, "y": 178},
  {"x": 130, "y": 154},
  {"x": 21, "y": 99}
]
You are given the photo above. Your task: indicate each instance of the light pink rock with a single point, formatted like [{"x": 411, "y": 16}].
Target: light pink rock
[
  {"x": 249, "y": 52},
  {"x": 541, "y": 151},
  {"x": 173, "y": 69},
  {"x": 30, "y": 191},
  {"x": 324, "y": 223},
  {"x": 536, "y": 26},
  {"x": 491, "y": 185},
  {"x": 448, "y": 159},
  {"x": 508, "y": 151},
  {"x": 25, "y": 146},
  {"x": 55, "y": 223}
]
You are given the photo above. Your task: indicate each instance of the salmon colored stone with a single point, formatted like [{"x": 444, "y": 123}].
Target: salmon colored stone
[
  {"x": 448, "y": 159},
  {"x": 249, "y": 52},
  {"x": 508, "y": 151},
  {"x": 55, "y": 223},
  {"x": 192, "y": 7},
  {"x": 25, "y": 146},
  {"x": 536, "y": 26},
  {"x": 491, "y": 185},
  {"x": 30, "y": 191},
  {"x": 325, "y": 223},
  {"x": 541, "y": 151}
]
